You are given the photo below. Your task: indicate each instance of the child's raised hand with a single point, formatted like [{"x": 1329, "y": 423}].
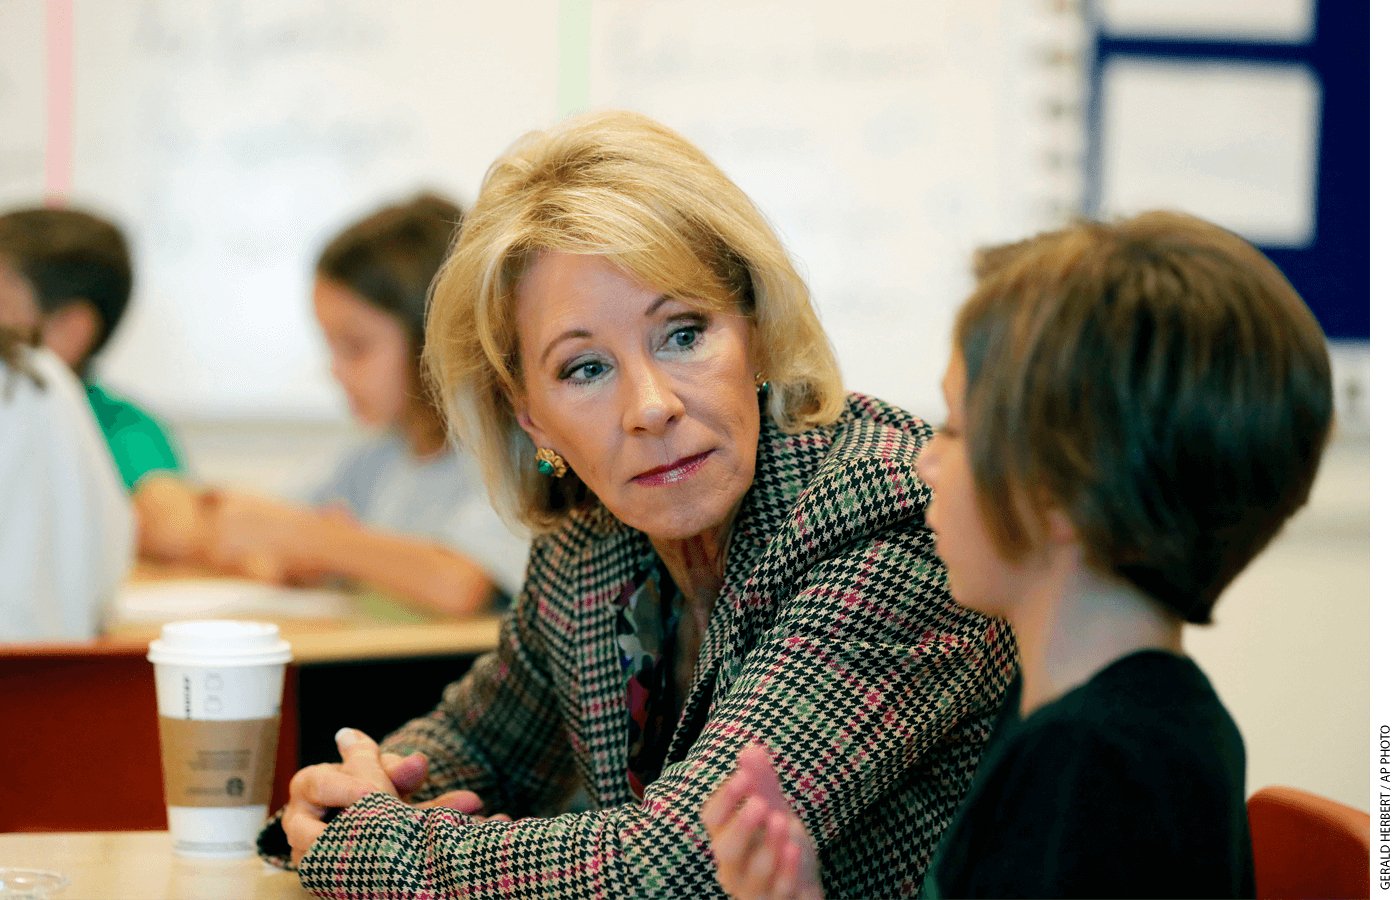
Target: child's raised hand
[{"x": 761, "y": 849}]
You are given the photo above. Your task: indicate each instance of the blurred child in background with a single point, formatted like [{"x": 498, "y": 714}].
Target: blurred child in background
[
  {"x": 1134, "y": 410},
  {"x": 405, "y": 513},
  {"x": 65, "y": 522},
  {"x": 67, "y": 274}
]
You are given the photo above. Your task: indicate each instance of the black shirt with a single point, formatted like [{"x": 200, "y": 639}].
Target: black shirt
[{"x": 1131, "y": 785}]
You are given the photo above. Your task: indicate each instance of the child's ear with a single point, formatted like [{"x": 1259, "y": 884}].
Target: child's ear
[{"x": 71, "y": 331}]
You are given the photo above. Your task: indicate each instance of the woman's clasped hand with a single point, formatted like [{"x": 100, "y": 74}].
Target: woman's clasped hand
[{"x": 317, "y": 791}]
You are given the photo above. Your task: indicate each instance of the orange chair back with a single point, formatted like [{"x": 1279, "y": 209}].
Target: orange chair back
[
  {"x": 1307, "y": 846},
  {"x": 82, "y": 745}
]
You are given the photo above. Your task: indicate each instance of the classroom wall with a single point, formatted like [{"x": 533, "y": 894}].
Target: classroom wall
[
  {"x": 1289, "y": 652},
  {"x": 232, "y": 138},
  {"x": 885, "y": 140}
]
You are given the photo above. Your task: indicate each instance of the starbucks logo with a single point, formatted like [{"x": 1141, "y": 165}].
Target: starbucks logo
[{"x": 234, "y": 786}]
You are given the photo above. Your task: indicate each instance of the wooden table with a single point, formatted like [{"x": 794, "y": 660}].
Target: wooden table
[
  {"x": 346, "y": 640},
  {"x": 87, "y": 739},
  {"x": 361, "y": 627},
  {"x": 358, "y": 659},
  {"x": 139, "y": 865}
]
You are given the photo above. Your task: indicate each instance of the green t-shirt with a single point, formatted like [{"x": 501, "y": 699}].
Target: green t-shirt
[{"x": 139, "y": 442}]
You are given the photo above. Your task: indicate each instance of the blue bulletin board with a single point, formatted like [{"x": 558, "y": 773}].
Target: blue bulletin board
[{"x": 1330, "y": 265}]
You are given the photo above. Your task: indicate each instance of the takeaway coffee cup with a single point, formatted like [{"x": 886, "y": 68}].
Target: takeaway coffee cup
[{"x": 219, "y": 694}]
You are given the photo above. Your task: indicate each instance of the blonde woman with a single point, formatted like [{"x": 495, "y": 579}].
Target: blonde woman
[{"x": 730, "y": 547}]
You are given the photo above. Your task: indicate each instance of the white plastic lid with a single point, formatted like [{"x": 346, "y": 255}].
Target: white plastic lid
[{"x": 219, "y": 643}]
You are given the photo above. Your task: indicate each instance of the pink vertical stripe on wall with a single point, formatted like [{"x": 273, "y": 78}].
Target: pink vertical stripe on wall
[{"x": 58, "y": 153}]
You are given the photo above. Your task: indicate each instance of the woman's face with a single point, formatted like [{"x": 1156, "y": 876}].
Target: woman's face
[
  {"x": 979, "y": 577},
  {"x": 650, "y": 399},
  {"x": 369, "y": 354}
]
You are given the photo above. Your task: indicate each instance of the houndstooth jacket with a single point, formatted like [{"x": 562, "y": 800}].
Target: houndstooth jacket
[{"x": 834, "y": 642}]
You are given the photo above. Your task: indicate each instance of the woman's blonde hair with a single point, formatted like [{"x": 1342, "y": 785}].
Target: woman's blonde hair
[{"x": 623, "y": 187}]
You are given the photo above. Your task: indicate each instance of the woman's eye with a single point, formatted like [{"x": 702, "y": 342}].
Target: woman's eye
[
  {"x": 685, "y": 337},
  {"x": 584, "y": 371}
]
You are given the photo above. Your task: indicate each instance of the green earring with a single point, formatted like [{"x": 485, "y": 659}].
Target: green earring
[{"x": 550, "y": 464}]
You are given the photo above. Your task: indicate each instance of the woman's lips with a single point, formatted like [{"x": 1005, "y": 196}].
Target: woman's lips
[{"x": 678, "y": 471}]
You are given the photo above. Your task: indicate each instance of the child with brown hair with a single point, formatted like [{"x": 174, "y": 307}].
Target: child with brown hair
[
  {"x": 1134, "y": 410},
  {"x": 403, "y": 513},
  {"x": 66, "y": 274}
]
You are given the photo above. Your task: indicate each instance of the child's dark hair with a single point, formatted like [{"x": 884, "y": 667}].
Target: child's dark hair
[
  {"x": 67, "y": 256},
  {"x": 390, "y": 258},
  {"x": 1158, "y": 379}
]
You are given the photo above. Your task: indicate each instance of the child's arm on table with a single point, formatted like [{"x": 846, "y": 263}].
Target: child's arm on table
[
  {"x": 173, "y": 521},
  {"x": 276, "y": 541}
]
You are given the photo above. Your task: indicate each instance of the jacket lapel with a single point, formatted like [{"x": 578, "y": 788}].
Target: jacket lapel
[
  {"x": 606, "y": 566},
  {"x": 746, "y": 605}
]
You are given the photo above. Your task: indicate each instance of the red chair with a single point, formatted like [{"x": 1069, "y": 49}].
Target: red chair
[
  {"x": 1307, "y": 846},
  {"x": 82, "y": 739}
]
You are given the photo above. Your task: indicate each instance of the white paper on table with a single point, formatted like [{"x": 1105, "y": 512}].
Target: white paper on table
[{"x": 199, "y": 598}]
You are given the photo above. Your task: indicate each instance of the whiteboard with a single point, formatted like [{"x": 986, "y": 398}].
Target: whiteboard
[{"x": 231, "y": 138}]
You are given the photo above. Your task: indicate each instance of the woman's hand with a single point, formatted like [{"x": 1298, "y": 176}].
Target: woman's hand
[
  {"x": 317, "y": 790},
  {"x": 762, "y": 851}
]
